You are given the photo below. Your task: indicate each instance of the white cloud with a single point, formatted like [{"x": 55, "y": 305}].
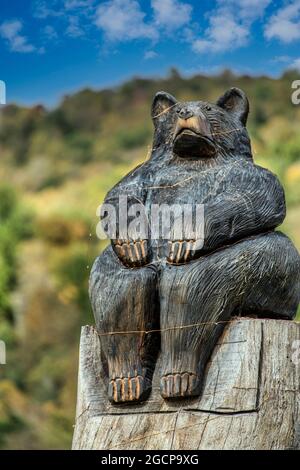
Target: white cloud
[
  {"x": 281, "y": 59},
  {"x": 43, "y": 9},
  {"x": 75, "y": 4},
  {"x": 230, "y": 25},
  {"x": 119, "y": 20},
  {"x": 123, "y": 20},
  {"x": 74, "y": 29},
  {"x": 224, "y": 32},
  {"x": 11, "y": 32},
  {"x": 247, "y": 9},
  {"x": 150, "y": 55},
  {"x": 296, "y": 64},
  {"x": 285, "y": 24},
  {"x": 58, "y": 8},
  {"x": 171, "y": 14},
  {"x": 50, "y": 32},
  {"x": 77, "y": 15}
]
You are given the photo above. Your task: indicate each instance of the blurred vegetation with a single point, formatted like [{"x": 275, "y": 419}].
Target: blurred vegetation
[{"x": 59, "y": 164}]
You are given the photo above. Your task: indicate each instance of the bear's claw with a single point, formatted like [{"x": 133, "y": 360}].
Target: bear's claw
[
  {"x": 128, "y": 389},
  {"x": 132, "y": 253},
  {"x": 182, "y": 251},
  {"x": 178, "y": 385}
]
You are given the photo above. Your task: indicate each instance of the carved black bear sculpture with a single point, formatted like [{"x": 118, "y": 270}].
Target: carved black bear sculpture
[{"x": 184, "y": 287}]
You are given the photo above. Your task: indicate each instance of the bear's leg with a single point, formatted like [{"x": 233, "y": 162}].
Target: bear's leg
[
  {"x": 125, "y": 300},
  {"x": 260, "y": 274}
]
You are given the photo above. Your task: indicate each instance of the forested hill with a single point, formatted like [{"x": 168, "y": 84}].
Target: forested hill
[{"x": 93, "y": 126}]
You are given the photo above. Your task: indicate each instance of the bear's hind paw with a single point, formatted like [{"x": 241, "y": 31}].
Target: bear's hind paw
[{"x": 129, "y": 389}]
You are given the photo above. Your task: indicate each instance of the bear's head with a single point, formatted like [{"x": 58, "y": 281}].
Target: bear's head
[{"x": 202, "y": 130}]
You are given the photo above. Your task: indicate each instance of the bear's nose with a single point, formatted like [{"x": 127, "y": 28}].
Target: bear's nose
[{"x": 184, "y": 113}]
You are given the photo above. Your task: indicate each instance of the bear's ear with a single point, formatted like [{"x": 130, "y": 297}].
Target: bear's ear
[
  {"x": 235, "y": 102},
  {"x": 162, "y": 101}
]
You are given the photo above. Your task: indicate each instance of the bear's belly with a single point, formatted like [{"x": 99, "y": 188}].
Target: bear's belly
[
  {"x": 174, "y": 203},
  {"x": 175, "y": 212}
]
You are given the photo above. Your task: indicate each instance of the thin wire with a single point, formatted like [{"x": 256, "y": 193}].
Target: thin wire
[
  {"x": 171, "y": 185},
  {"x": 228, "y": 132},
  {"x": 164, "y": 111},
  {"x": 214, "y": 133},
  {"x": 181, "y": 327}
]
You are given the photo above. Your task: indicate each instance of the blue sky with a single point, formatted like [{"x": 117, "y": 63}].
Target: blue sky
[{"x": 51, "y": 48}]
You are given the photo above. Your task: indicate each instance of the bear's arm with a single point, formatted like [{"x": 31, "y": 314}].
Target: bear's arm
[
  {"x": 132, "y": 186},
  {"x": 251, "y": 202},
  {"x": 126, "y": 197}
]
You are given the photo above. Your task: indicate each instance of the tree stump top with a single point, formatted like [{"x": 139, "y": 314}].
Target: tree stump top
[{"x": 250, "y": 398}]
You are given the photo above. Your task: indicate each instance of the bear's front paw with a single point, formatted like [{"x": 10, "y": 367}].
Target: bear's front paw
[
  {"x": 179, "y": 385},
  {"x": 132, "y": 253},
  {"x": 129, "y": 389},
  {"x": 182, "y": 251}
]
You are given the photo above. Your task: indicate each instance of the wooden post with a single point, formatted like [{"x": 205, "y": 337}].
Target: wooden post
[{"x": 250, "y": 400}]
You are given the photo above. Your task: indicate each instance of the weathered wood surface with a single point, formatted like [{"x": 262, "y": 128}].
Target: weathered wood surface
[{"x": 251, "y": 397}]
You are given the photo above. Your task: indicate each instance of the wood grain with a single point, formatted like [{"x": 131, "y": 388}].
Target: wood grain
[{"x": 250, "y": 399}]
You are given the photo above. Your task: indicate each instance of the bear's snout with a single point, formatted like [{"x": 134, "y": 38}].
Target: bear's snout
[
  {"x": 192, "y": 136},
  {"x": 184, "y": 113}
]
